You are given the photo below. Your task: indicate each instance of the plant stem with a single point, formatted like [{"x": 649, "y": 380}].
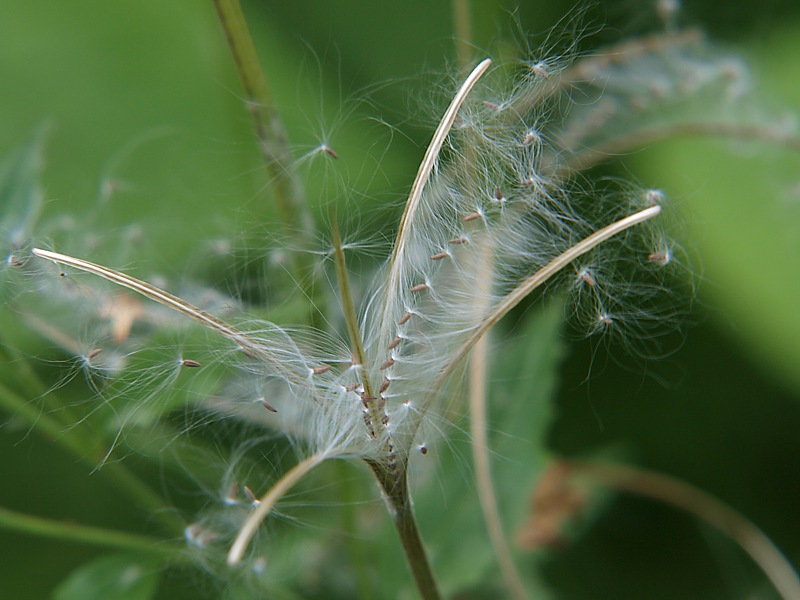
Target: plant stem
[
  {"x": 273, "y": 142},
  {"x": 395, "y": 485},
  {"x": 678, "y": 493},
  {"x": 266, "y": 121},
  {"x": 84, "y": 534},
  {"x": 479, "y": 365},
  {"x": 267, "y": 503},
  {"x": 462, "y": 28}
]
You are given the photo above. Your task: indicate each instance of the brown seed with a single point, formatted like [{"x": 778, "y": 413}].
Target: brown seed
[
  {"x": 404, "y": 319},
  {"x": 420, "y": 287},
  {"x": 440, "y": 256},
  {"x": 423, "y": 449},
  {"x": 93, "y": 353},
  {"x": 472, "y": 217},
  {"x": 660, "y": 258},
  {"x": 329, "y": 150},
  {"x": 250, "y": 495},
  {"x": 491, "y": 105},
  {"x": 529, "y": 138},
  {"x": 384, "y": 385},
  {"x": 268, "y": 406},
  {"x": 654, "y": 197},
  {"x": 232, "y": 493},
  {"x": 606, "y": 319},
  {"x": 188, "y": 362},
  {"x": 351, "y": 387},
  {"x": 588, "y": 279},
  {"x": 394, "y": 343},
  {"x": 367, "y": 400},
  {"x": 389, "y": 362},
  {"x": 461, "y": 240},
  {"x": 321, "y": 369}
]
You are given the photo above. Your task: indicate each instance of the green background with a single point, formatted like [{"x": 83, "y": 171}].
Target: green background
[{"x": 144, "y": 93}]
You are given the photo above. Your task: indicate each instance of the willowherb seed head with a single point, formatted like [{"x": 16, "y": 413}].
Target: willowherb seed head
[{"x": 503, "y": 204}]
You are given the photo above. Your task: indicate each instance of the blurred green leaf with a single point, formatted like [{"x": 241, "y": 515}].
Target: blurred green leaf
[
  {"x": 121, "y": 577},
  {"x": 743, "y": 206}
]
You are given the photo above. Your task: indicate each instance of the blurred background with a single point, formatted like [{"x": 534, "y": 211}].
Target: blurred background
[{"x": 144, "y": 125}]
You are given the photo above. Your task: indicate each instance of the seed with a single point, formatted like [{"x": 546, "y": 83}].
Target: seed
[
  {"x": 251, "y": 496},
  {"x": 268, "y": 406},
  {"x": 420, "y": 287},
  {"x": 188, "y": 362},
  {"x": 329, "y": 150},
  {"x": 404, "y": 319},
  {"x": 394, "y": 343},
  {"x": 321, "y": 369},
  {"x": 389, "y": 362},
  {"x": 660, "y": 258},
  {"x": 588, "y": 279},
  {"x": 472, "y": 217},
  {"x": 440, "y": 256},
  {"x": 384, "y": 385}
]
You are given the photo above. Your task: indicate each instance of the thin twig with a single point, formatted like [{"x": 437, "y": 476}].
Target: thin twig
[
  {"x": 266, "y": 121},
  {"x": 349, "y": 308},
  {"x": 242, "y": 339},
  {"x": 267, "y": 503},
  {"x": 479, "y": 360}
]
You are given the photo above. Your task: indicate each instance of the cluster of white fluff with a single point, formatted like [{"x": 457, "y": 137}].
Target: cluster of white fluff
[{"x": 506, "y": 195}]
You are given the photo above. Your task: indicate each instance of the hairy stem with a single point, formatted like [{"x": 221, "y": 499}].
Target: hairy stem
[
  {"x": 84, "y": 534},
  {"x": 678, "y": 493}
]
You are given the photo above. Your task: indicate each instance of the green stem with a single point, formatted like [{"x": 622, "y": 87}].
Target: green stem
[
  {"x": 395, "y": 487},
  {"x": 272, "y": 138},
  {"x": 462, "y": 28},
  {"x": 84, "y": 534},
  {"x": 266, "y": 121}
]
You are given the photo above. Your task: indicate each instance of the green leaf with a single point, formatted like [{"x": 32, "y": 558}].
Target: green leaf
[{"x": 121, "y": 577}]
